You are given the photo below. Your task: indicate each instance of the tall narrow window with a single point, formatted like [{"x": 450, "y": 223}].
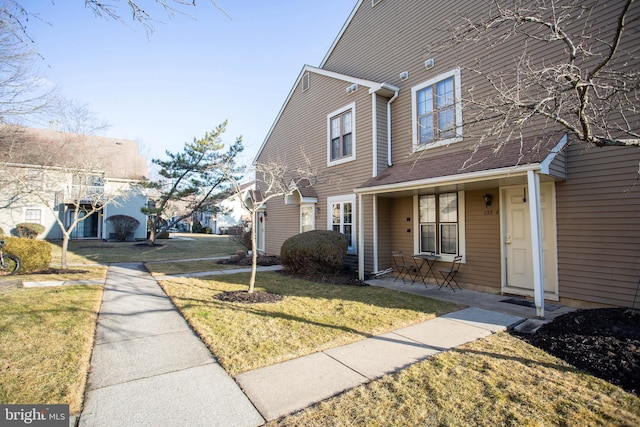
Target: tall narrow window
[
  {"x": 341, "y": 137},
  {"x": 307, "y": 218},
  {"x": 439, "y": 223},
  {"x": 437, "y": 111},
  {"x": 341, "y": 130},
  {"x": 342, "y": 218}
]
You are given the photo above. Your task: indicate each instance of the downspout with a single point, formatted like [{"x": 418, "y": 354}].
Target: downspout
[
  {"x": 374, "y": 132},
  {"x": 389, "y": 162},
  {"x": 360, "y": 238}
]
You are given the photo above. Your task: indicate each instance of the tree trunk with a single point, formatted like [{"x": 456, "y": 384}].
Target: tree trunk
[
  {"x": 65, "y": 246},
  {"x": 254, "y": 257}
]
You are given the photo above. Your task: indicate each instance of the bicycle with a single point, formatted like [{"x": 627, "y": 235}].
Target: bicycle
[{"x": 9, "y": 264}]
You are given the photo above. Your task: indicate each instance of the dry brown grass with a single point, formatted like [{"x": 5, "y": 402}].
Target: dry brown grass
[
  {"x": 312, "y": 317},
  {"x": 499, "y": 380},
  {"x": 47, "y": 336}
]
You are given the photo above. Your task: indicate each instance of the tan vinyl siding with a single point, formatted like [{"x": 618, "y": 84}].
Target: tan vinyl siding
[
  {"x": 598, "y": 221},
  {"x": 381, "y": 105},
  {"x": 301, "y": 133},
  {"x": 483, "y": 240},
  {"x": 384, "y": 232}
]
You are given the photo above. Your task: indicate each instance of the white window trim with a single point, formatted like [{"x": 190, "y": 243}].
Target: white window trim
[
  {"x": 458, "y": 106},
  {"x": 462, "y": 234},
  {"x": 313, "y": 214},
  {"x": 341, "y": 199},
  {"x": 24, "y": 214},
  {"x": 351, "y": 158}
]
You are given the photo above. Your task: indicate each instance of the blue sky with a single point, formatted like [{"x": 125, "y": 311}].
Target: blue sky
[{"x": 192, "y": 72}]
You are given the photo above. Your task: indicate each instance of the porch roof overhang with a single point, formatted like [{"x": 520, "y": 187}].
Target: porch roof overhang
[
  {"x": 466, "y": 170},
  {"x": 301, "y": 192}
]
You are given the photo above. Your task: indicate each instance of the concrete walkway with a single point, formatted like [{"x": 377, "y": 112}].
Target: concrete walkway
[{"x": 149, "y": 368}]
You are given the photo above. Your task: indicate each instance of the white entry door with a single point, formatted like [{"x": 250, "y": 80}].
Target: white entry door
[{"x": 517, "y": 241}]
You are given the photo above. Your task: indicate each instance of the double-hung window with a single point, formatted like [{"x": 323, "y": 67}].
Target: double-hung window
[
  {"x": 33, "y": 216},
  {"x": 437, "y": 111},
  {"x": 341, "y": 135},
  {"x": 342, "y": 217},
  {"x": 439, "y": 224}
]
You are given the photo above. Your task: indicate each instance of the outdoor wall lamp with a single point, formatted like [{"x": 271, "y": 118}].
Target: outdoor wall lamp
[
  {"x": 487, "y": 200},
  {"x": 317, "y": 210},
  {"x": 265, "y": 214}
]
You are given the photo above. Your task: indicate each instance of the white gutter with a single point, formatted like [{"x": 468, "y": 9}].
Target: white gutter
[{"x": 389, "y": 162}]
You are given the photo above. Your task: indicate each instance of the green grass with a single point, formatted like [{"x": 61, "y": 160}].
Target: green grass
[
  {"x": 47, "y": 336},
  {"x": 496, "y": 381},
  {"x": 193, "y": 246},
  {"x": 312, "y": 317}
]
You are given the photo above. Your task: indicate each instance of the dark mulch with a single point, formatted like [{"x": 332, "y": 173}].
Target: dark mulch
[
  {"x": 603, "y": 342},
  {"x": 262, "y": 260},
  {"x": 249, "y": 298}
]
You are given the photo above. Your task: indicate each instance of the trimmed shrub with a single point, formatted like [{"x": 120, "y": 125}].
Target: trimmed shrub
[
  {"x": 34, "y": 255},
  {"x": 244, "y": 239},
  {"x": 29, "y": 230},
  {"x": 313, "y": 252},
  {"x": 123, "y": 225}
]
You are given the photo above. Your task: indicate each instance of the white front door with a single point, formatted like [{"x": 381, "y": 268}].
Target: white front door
[{"x": 517, "y": 241}]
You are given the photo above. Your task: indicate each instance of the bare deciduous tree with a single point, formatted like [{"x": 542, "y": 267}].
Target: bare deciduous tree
[
  {"x": 274, "y": 179},
  {"x": 576, "y": 70},
  {"x": 22, "y": 91}
]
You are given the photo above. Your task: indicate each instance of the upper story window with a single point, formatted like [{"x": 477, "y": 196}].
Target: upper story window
[
  {"x": 437, "y": 111},
  {"x": 341, "y": 135}
]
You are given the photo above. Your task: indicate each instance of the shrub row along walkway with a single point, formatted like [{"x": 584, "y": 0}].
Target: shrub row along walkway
[{"x": 149, "y": 368}]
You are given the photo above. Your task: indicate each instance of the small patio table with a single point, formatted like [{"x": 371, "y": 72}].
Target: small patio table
[{"x": 428, "y": 259}]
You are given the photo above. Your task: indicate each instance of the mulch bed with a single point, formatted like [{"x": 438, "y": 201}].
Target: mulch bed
[
  {"x": 603, "y": 342},
  {"x": 244, "y": 297}
]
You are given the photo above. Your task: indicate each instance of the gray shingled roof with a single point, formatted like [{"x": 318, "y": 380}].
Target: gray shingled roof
[
  {"x": 117, "y": 158},
  {"x": 464, "y": 162}
]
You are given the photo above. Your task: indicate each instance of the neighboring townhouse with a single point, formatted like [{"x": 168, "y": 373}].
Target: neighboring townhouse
[
  {"x": 232, "y": 215},
  {"x": 48, "y": 173},
  {"x": 382, "y": 116}
]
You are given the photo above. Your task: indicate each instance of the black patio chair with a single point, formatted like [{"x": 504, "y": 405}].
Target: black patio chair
[
  {"x": 449, "y": 276},
  {"x": 400, "y": 266}
]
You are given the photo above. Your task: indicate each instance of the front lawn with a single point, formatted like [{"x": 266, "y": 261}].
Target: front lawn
[
  {"x": 496, "y": 381},
  {"x": 312, "y": 317},
  {"x": 47, "y": 336},
  {"x": 181, "y": 246}
]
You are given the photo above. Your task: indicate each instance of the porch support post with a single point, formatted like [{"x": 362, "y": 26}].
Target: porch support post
[
  {"x": 375, "y": 233},
  {"x": 533, "y": 181},
  {"x": 360, "y": 238}
]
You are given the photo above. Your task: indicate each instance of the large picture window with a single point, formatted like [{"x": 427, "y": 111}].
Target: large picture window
[
  {"x": 439, "y": 219},
  {"x": 341, "y": 135},
  {"x": 342, "y": 217},
  {"x": 437, "y": 111}
]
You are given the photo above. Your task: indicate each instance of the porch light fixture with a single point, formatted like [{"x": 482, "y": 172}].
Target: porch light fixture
[
  {"x": 487, "y": 200},
  {"x": 317, "y": 210}
]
